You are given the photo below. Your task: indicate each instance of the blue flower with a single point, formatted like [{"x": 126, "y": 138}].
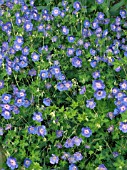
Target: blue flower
[
  {"x": 115, "y": 154},
  {"x": 116, "y": 111},
  {"x": 32, "y": 72},
  {"x": 123, "y": 13},
  {"x": 35, "y": 57},
  {"x": 82, "y": 90},
  {"x": 27, "y": 163},
  {"x": 86, "y": 24},
  {"x": 78, "y": 156},
  {"x": 99, "y": 1},
  {"x": 44, "y": 74},
  {"x": 76, "y": 140},
  {"x": 12, "y": 163},
  {"x": 19, "y": 40},
  {"x": 70, "y": 51},
  {"x": 102, "y": 166},
  {"x": 100, "y": 16},
  {"x": 6, "y": 98},
  {"x": 60, "y": 86},
  {"x": 110, "y": 115},
  {"x": 93, "y": 63},
  {"x": 98, "y": 84},
  {"x": 54, "y": 159},
  {"x": 67, "y": 84},
  {"x": 32, "y": 130},
  {"x": 110, "y": 129},
  {"x": 115, "y": 90},
  {"x": 69, "y": 143},
  {"x": 122, "y": 108},
  {"x": 6, "y": 114},
  {"x": 92, "y": 52},
  {"x": 72, "y": 159},
  {"x": 1, "y": 131},
  {"x": 77, "y": 5},
  {"x": 65, "y": 30},
  {"x": 90, "y": 104},
  {"x": 25, "y": 50},
  {"x": 37, "y": 116},
  {"x": 123, "y": 85},
  {"x": 47, "y": 101},
  {"x": 41, "y": 130},
  {"x": 86, "y": 131},
  {"x": 73, "y": 167},
  {"x": 19, "y": 101},
  {"x": 123, "y": 127},
  {"x": 71, "y": 39},
  {"x": 76, "y": 62},
  {"x": 59, "y": 133},
  {"x": 96, "y": 74},
  {"x": 55, "y": 11},
  {"x": 1, "y": 84},
  {"x": 28, "y": 26},
  {"x": 100, "y": 94}
]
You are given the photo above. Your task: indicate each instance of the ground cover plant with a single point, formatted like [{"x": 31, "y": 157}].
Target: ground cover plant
[{"x": 63, "y": 85}]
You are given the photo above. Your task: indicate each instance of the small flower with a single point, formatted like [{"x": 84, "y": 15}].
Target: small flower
[
  {"x": 102, "y": 167},
  {"x": 6, "y": 98},
  {"x": 41, "y": 130},
  {"x": 98, "y": 84},
  {"x": 65, "y": 30},
  {"x": 78, "y": 156},
  {"x": 28, "y": 26},
  {"x": 82, "y": 90},
  {"x": 70, "y": 52},
  {"x": 27, "y": 163},
  {"x": 76, "y": 62},
  {"x": 123, "y": 127},
  {"x": 38, "y": 117},
  {"x": 1, "y": 84},
  {"x": 99, "y": 1},
  {"x": 73, "y": 167},
  {"x": 44, "y": 74},
  {"x": 35, "y": 57},
  {"x": 32, "y": 130},
  {"x": 77, "y": 5},
  {"x": 123, "y": 85},
  {"x": 47, "y": 101},
  {"x": 32, "y": 72},
  {"x": 8, "y": 127},
  {"x": 55, "y": 11},
  {"x": 96, "y": 74},
  {"x": 1, "y": 131},
  {"x": 12, "y": 163},
  {"x": 86, "y": 24},
  {"x": 86, "y": 132},
  {"x": 100, "y": 94},
  {"x": 115, "y": 154},
  {"x": 54, "y": 159},
  {"x": 6, "y": 114},
  {"x": 110, "y": 129},
  {"x": 59, "y": 133},
  {"x": 71, "y": 159},
  {"x": 76, "y": 140},
  {"x": 71, "y": 39},
  {"x": 110, "y": 115},
  {"x": 123, "y": 13},
  {"x": 90, "y": 104},
  {"x": 69, "y": 143}
]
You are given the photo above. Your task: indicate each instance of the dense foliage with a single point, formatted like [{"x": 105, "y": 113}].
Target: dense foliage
[{"x": 63, "y": 85}]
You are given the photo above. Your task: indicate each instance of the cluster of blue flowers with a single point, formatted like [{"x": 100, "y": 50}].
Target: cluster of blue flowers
[
  {"x": 12, "y": 163},
  {"x": 19, "y": 56}
]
